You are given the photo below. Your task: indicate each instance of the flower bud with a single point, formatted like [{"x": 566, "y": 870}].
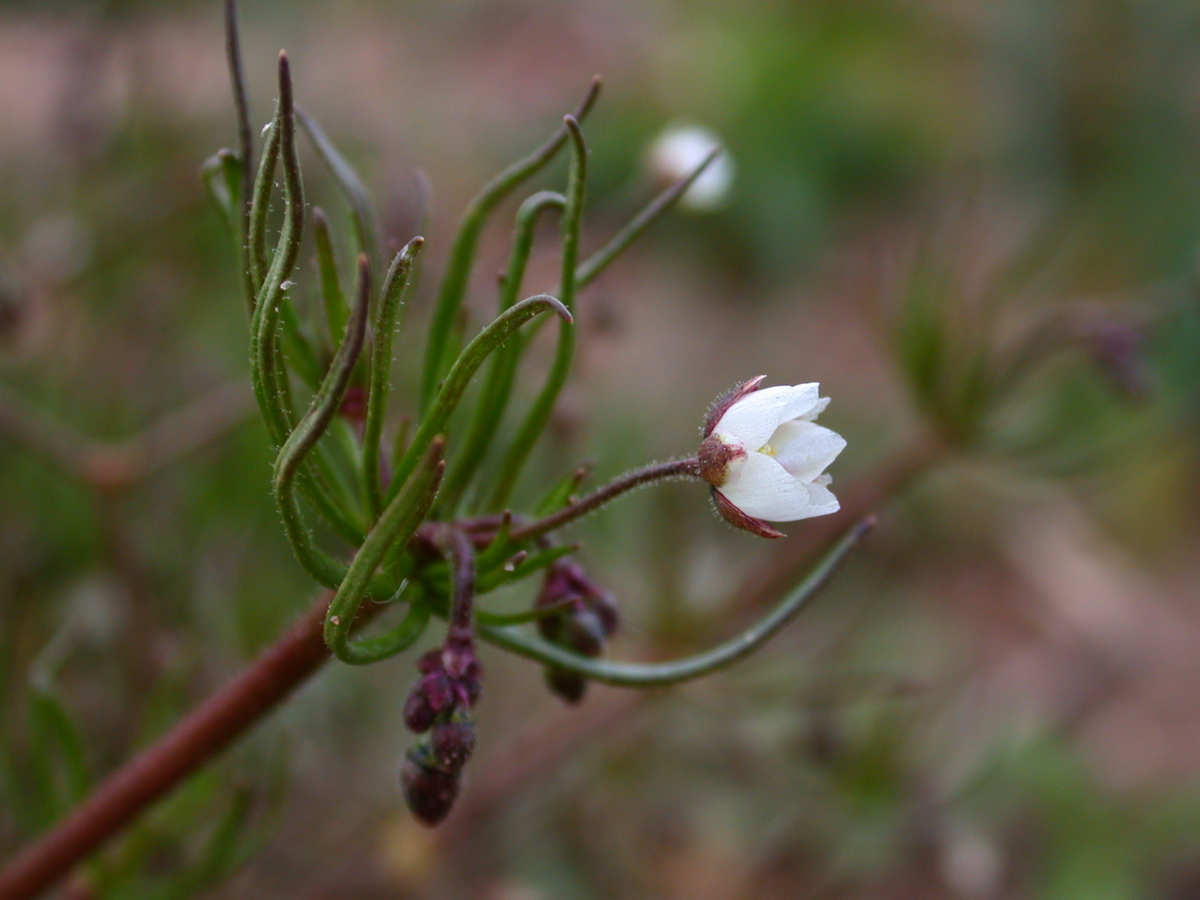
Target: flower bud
[
  {"x": 430, "y": 696},
  {"x": 583, "y": 631},
  {"x": 567, "y": 685},
  {"x": 551, "y": 624},
  {"x": 419, "y": 711},
  {"x": 567, "y": 583},
  {"x": 450, "y": 684},
  {"x": 430, "y": 792},
  {"x": 452, "y": 679},
  {"x": 605, "y": 609},
  {"x": 462, "y": 667},
  {"x": 453, "y": 742},
  {"x": 585, "y": 616}
]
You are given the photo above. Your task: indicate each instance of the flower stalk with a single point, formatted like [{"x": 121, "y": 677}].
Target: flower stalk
[
  {"x": 674, "y": 469},
  {"x": 647, "y": 675}
]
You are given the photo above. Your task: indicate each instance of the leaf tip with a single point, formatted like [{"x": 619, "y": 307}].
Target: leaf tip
[{"x": 560, "y": 310}]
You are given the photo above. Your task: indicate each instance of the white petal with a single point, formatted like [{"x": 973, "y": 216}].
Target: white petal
[
  {"x": 754, "y": 418},
  {"x": 763, "y": 489},
  {"x": 805, "y": 449},
  {"x": 804, "y": 402},
  {"x": 818, "y": 408},
  {"x": 821, "y": 501}
]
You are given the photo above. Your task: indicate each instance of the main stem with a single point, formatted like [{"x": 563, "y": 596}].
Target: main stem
[{"x": 154, "y": 772}]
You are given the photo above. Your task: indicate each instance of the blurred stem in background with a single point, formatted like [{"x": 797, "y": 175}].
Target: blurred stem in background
[{"x": 115, "y": 466}]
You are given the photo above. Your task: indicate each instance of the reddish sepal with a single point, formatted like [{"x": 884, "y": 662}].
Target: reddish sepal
[
  {"x": 739, "y": 519},
  {"x": 726, "y": 400}
]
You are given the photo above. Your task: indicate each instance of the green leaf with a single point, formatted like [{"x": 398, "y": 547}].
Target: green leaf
[{"x": 462, "y": 254}]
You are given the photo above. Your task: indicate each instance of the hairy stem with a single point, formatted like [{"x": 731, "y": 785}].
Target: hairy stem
[
  {"x": 461, "y": 553},
  {"x": 596, "y": 499}
]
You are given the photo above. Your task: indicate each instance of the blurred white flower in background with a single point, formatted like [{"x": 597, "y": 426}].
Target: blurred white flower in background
[{"x": 676, "y": 153}]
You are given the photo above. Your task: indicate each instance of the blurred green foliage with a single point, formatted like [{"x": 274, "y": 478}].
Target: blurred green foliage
[{"x": 937, "y": 728}]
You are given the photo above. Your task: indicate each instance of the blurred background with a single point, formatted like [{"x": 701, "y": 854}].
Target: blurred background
[{"x": 976, "y": 224}]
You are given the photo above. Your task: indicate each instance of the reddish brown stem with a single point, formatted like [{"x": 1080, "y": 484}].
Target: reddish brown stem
[
  {"x": 461, "y": 553},
  {"x": 673, "y": 469},
  {"x": 160, "y": 767}
]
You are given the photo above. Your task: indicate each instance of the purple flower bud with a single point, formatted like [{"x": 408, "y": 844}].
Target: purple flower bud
[
  {"x": 583, "y": 631},
  {"x": 567, "y": 584},
  {"x": 430, "y": 696},
  {"x": 585, "y": 616},
  {"x": 430, "y": 662},
  {"x": 550, "y": 625},
  {"x": 453, "y": 742},
  {"x": 429, "y": 791},
  {"x": 567, "y": 685},
  {"x": 556, "y": 587},
  {"x": 418, "y": 711},
  {"x": 606, "y": 608},
  {"x": 452, "y": 680},
  {"x": 458, "y": 657}
]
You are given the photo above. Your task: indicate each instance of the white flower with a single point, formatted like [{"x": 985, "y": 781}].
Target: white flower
[
  {"x": 679, "y": 150},
  {"x": 765, "y": 456}
]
